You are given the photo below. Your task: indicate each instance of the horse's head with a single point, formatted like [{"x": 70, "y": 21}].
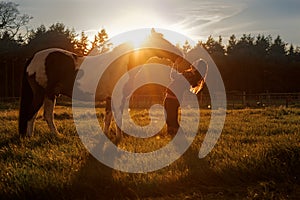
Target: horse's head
[
  {"x": 196, "y": 75},
  {"x": 157, "y": 45}
]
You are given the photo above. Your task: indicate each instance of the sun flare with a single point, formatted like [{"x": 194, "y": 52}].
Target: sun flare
[
  {"x": 141, "y": 18},
  {"x": 137, "y": 40},
  {"x": 132, "y": 37}
]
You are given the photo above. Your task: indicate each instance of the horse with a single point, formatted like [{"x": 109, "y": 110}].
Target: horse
[
  {"x": 174, "y": 77},
  {"x": 53, "y": 72}
]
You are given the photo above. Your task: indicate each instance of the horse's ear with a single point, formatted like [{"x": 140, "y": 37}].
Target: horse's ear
[
  {"x": 153, "y": 31},
  {"x": 156, "y": 34}
]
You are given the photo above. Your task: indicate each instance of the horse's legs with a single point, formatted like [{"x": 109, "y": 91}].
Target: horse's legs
[
  {"x": 119, "y": 133},
  {"x": 108, "y": 118},
  {"x": 33, "y": 108},
  {"x": 171, "y": 112},
  {"x": 30, "y": 125},
  {"x": 108, "y": 115},
  {"x": 49, "y": 104}
]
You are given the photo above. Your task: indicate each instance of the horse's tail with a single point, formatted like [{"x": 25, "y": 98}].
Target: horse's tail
[{"x": 25, "y": 103}]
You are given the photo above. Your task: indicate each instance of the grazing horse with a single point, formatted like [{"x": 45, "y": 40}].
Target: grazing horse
[{"x": 52, "y": 72}]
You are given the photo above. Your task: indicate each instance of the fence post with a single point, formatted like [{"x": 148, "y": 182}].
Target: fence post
[
  {"x": 287, "y": 100},
  {"x": 244, "y": 98},
  {"x": 268, "y": 98}
]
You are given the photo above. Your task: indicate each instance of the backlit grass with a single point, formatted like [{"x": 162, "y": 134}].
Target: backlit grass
[{"x": 256, "y": 157}]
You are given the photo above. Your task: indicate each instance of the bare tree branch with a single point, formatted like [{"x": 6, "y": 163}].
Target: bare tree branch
[{"x": 11, "y": 21}]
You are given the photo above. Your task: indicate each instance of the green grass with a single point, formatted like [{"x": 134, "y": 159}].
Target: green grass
[{"x": 256, "y": 157}]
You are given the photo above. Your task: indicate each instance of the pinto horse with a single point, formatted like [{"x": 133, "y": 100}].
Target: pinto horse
[{"x": 52, "y": 72}]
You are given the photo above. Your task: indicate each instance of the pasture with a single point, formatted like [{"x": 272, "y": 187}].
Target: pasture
[{"x": 256, "y": 157}]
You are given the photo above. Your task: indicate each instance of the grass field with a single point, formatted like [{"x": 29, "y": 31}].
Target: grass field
[{"x": 256, "y": 157}]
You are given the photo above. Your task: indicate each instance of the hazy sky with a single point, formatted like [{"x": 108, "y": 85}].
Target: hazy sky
[{"x": 195, "y": 18}]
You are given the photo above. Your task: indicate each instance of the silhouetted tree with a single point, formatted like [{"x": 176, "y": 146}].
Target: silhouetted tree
[
  {"x": 215, "y": 48},
  {"x": 278, "y": 48},
  {"x": 41, "y": 30},
  {"x": 231, "y": 44},
  {"x": 251, "y": 64},
  {"x": 291, "y": 51},
  {"x": 11, "y": 20},
  {"x": 100, "y": 43},
  {"x": 81, "y": 45},
  {"x": 186, "y": 46},
  {"x": 58, "y": 36},
  {"x": 262, "y": 45}
]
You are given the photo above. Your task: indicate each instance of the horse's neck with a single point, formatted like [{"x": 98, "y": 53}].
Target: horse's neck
[{"x": 79, "y": 61}]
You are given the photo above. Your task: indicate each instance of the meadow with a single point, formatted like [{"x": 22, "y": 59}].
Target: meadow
[{"x": 256, "y": 157}]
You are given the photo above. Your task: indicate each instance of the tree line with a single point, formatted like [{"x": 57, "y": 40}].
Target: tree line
[
  {"x": 250, "y": 63},
  {"x": 256, "y": 64}
]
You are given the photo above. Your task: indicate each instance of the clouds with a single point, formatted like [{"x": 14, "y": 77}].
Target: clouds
[
  {"x": 198, "y": 18},
  {"x": 275, "y": 17}
]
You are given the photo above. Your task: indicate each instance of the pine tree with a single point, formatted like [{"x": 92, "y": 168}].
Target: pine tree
[
  {"x": 186, "y": 47},
  {"x": 231, "y": 44},
  {"x": 100, "y": 43},
  {"x": 81, "y": 45}
]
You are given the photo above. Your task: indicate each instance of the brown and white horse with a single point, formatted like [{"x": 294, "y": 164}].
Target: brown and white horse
[{"x": 52, "y": 72}]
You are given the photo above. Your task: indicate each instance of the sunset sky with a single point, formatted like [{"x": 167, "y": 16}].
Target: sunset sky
[{"x": 195, "y": 18}]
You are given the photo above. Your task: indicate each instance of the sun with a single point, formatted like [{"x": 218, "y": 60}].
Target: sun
[
  {"x": 145, "y": 19},
  {"x": 136, "y": 19},
  {"x": 134, "y": 37},
  {"x": 137, "y": 40}
]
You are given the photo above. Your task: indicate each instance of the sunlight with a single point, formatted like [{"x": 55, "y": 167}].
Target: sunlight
[
  {"x": 137, "y": 36},
  {"x": 141, "y": 18},
  {"x": 133, "y": 37},
  {"x": 137, "y": 40}
]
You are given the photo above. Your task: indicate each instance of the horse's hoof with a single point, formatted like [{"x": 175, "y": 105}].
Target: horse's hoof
[{"x": 28, "y": 136}]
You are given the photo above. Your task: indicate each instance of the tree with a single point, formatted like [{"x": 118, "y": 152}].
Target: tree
[
  {"x": 291, "y": 50},
  {"x": 7, "y": 43},
  {"x": 11, "y": 20},
  {"x": 262, "y": 45},
  {"x": 278, "y": 47},
  {"x": 37, "y": 33},
  {"x": 214, "y": 48},
  {"x": 100, "y": 43},
  {"x": 231, "y": 44},
  {"x": 186, "y": 47},
  {"x": 60, "y": 28},
  {"x": 81, "y": 45},
  {"x": 58, "y": 36}
]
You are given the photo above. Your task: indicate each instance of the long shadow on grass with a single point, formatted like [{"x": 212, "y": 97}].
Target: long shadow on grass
[
  {"x": 275, "y": 173},
  {"x": 95, "y": 180},
  {"x": 14, "y": 139}
]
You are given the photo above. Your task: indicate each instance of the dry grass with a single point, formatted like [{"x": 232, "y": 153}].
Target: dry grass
[{"x": 257, "y": 157}]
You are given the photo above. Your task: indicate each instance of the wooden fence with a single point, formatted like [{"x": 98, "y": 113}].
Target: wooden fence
[
  {"x": 234, "y": 100},
  {"x": 263, "y": 99}
]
